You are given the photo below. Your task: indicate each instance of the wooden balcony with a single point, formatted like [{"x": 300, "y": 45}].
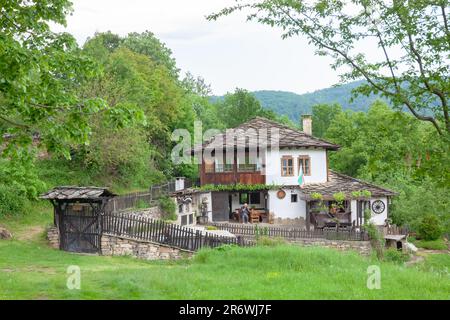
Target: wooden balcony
[{"x": 233, "y": 176}]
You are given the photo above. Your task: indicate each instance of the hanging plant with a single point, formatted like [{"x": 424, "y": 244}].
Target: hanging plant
[{"x": 339, "y": 197}]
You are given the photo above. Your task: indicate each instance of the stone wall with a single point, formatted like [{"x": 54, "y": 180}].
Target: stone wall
[
  {"x": 53, "y": 237},
  {"x": 362, "y": 247},
  {"x": 120, "y": 246},
  {"x": 152, "y": 213},
  {"x": 292, "y": 222}
]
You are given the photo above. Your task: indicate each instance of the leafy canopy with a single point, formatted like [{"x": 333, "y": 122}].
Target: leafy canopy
[{"x": 413, "y": 40}]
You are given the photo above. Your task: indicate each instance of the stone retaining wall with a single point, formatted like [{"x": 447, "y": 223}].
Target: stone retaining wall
[
  {"x": 53, "y": 237},
  {"x": 362, "y": 247},
  {"x": 152, "y": 213},
  {"x": 120, "y": 246}
]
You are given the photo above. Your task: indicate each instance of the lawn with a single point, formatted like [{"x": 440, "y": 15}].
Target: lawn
[{"x": 29, "y": 269}]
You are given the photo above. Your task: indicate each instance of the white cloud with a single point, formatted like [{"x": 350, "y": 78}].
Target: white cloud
[{"x": 228, "y": 53}]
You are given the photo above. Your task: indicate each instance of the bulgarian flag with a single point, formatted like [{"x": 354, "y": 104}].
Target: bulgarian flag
[{"x": 301, "y": 178}]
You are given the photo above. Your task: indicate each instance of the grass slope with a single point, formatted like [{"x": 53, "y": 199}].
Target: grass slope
[{"x": 31, "y": 270}]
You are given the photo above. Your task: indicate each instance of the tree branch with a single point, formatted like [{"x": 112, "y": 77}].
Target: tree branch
[
  {"x": 359, "y": 69},
  {"x": 447, "y": 29},
  {"x": 16, "y": 124}
]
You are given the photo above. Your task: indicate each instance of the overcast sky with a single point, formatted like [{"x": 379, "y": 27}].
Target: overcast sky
[{"x": 228, "y": 53}]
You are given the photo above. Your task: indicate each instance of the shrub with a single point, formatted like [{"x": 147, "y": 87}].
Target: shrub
[
  {"x": 142, "y": 204},
  {"x": 438, "y": 244},
  {"x": 270, "y": 242},
  {"x": 168, "y": 208},
  {"x": 396, "y": 256},
  {"x": 211, "y": 228},
  {"x": 11, "y": 201},
  {"x": 430, "y": 227}
]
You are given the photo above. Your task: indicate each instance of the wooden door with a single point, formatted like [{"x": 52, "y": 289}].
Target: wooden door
[{"x": 220, "y": 206}]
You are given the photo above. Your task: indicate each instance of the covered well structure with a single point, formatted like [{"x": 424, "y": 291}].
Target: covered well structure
[{"x": 77, "y": 216}]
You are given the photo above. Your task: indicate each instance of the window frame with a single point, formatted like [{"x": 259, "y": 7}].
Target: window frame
[
  {"x": 287, "y": 158},
  {"x": 246, "y": 195},
  {"x": 292, "y": 197},
  {"x": 301, "y": 159}
]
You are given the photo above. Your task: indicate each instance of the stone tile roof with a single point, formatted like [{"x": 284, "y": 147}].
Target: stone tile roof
[
  {"x": 288, "y": 137},
  {"x": 338, "y": 182},
  {"x": 75, "y": 193}
]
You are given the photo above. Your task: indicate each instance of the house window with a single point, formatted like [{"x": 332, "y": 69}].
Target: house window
[
  {"x": 222, "y": 166},
  {"x": 249, "y": 164},
  {"x": 209, "y": 166},
  {"x": 294, "y": 198},
  {"x": 304, "y": 162},
  {"x": 180, "y": 208},
  {"x": 243, "y": 197},
  {"x": 255, "y": 198},
  {"x": 287, "y": 166}
]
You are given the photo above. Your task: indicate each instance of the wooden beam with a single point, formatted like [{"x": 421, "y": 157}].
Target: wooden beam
[{"x": 307, "y": 216}]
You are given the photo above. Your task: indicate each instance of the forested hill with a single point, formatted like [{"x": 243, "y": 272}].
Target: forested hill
[{"x": 293, "y": 105}]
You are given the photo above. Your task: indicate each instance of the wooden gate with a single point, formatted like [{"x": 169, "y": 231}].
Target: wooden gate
[
  {"x": 220, "y": 206},
  {"x": 79, "y": 228}
]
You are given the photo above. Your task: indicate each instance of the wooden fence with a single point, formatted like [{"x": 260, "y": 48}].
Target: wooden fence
[
  {"x": 158, "y": 231},
  {"x": 291, "y": 233},
  {"x": 129, "y": 201},
  {"x": 393, "y": 229},
  {"x": 144, "y": 199}
]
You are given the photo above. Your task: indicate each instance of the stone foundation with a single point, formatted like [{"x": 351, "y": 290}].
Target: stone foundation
[
  {"x": 120, "y": 246},
  {"x": 362, "y": 247},
  {"x": 295, "y": 222},
  {"x": 152, "y": 213},
  {"x": 53, "y": 237}
]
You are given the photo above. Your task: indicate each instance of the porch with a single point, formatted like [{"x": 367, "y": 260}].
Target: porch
[
  {"x": 328, "y": 214},
  {"x": 226, "y": 206}
]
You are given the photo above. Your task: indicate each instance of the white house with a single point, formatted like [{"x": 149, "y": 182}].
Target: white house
[{"x": 259, "y": 163}]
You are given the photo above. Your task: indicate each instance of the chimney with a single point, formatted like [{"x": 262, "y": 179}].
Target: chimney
[{"x": 307, "y": 123}]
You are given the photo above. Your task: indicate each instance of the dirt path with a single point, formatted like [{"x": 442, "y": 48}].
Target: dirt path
[
  {"x": 31, "y": 233},
  {"x": 421, "y": 254}
]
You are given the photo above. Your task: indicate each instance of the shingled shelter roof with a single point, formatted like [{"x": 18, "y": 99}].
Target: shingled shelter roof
[
  {"x": 338, "y": 182},
  {"x": 77, "y": 193},
  {"x": 253, "y": 132}
]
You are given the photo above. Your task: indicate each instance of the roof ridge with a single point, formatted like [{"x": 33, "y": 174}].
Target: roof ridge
[{"x": 286, "y": 127}]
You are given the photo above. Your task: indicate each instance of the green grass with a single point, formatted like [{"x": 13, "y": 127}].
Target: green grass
[
  {"x": 31, "y": 270},
  {"x": 438, "y": 244},
  {"x": 38, "y": 215},
  {"x": 439, "y": 263}
]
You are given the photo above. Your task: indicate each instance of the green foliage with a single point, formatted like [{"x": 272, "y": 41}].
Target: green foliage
[
  {"x": 261, "y": 232},
  {"x": 211, "y": 228},
  {"x": 430, "y": 227},
  {"x": 427, "y": 197},
  {"x": 412, "y": 37},
  {"x": 237, "y": 187},
  {"x": 141, "y": 204},
  {"x": 339, "y": 197},
  {"x": 269, "y": 241},
  {"x": 395, "y": 256},
  {"x": 405, "y": 158},
  {"x": 11, "y": 201},
  {"x": 316, "y": 196},
  {"x": 322, "y": 115},
  {"x": 19, "y": 173},
  {"x": 241, "y": 106},
  {"x": 438, "y": 244},
  {"x": 168, "y": 207},
  {"x": 292, "y": 105},
  {"x": 361, "y": 194}
]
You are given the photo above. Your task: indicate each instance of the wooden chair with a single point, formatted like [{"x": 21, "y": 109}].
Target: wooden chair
[{"x": 254, "y": 216}]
